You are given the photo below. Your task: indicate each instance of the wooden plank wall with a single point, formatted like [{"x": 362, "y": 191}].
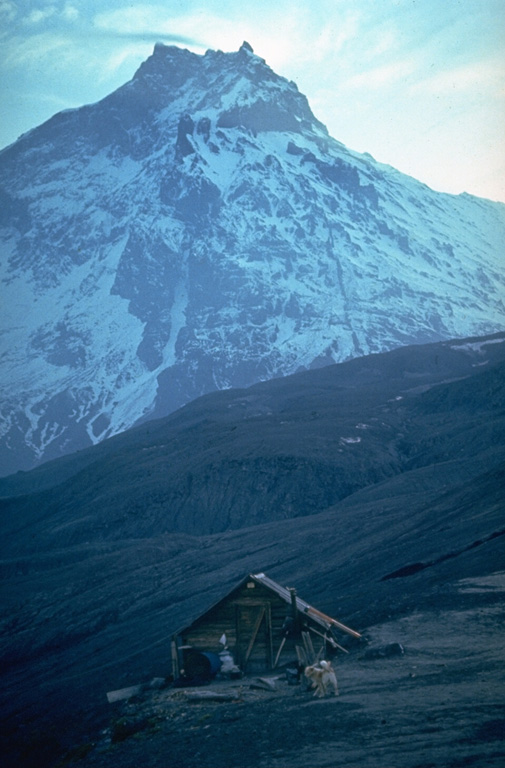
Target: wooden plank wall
[{"x": 239, "y": 612}]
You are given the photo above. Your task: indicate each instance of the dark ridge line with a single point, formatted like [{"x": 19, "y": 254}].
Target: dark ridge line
[{"x": 412, "y": 568}]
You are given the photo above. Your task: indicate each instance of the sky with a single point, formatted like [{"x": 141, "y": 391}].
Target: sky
[{"x": 419, "y": 84}]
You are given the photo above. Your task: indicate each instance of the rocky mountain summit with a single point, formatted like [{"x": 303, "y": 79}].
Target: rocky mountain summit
[{"x": 198, "y": 229}]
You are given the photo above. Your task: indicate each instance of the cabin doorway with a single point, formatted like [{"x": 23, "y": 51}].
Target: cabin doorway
[{"x": 254, "y": 636}]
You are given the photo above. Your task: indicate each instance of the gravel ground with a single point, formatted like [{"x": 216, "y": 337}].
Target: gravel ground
[{"x": 441, "y": 703}]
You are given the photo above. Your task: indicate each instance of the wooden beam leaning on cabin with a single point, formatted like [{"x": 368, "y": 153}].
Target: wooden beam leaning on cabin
[
  {"x": 329, "y": 640},
  {"x": 314, "y": 612}
]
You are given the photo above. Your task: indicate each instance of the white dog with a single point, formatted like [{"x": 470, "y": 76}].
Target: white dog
[{"x": 323, "y": 678}]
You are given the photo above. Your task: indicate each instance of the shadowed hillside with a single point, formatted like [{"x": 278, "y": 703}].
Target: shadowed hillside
[
  {"x": 285, "y": 448},
  {"x": 373, "y": 486}
]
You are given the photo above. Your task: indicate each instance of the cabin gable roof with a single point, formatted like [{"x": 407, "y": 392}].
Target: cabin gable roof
[{"x": 313, "y": 615}]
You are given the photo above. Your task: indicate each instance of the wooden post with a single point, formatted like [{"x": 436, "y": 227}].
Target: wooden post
[
  {"x": 270, "y": 637},
  {"x": 175, "y": 659},
  {"x": 279, "y": 651}
]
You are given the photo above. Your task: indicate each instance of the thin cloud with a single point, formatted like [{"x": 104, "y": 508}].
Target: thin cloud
[
  {"x": 198, "y": 30},
  {"x": 150, "y": 36},
  {"x": 8, "y": 11},
  {"x": 381, "y": 77},
  {"x": 70, "y": 13},
  {"x": 116, "y": 60},
  {"x": 482, "y": 76},
  {"x": 34, "y": 48},
  {"x": 139, "y": 21},
  {"x": 138, "y": 18},
  {"x": 39, "y": 15}
]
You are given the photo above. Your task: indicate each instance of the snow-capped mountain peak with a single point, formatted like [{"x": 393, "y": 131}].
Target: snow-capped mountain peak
[{"x": 198, "y": 229}]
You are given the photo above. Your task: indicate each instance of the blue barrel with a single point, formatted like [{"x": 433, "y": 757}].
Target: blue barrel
[
  {"x": 201, "y": 665},
  {"x": 215, "y": 662}
]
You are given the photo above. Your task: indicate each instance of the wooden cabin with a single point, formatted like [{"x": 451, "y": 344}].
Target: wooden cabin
[{"x": 263, "y": 623}]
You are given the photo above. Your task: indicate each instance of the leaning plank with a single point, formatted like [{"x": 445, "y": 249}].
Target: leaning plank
[
  {"x": 302, "y": 656},
  {"x": 329, "y": 640},
  {"x": 279, "y": 651},
  {"x": 333, "y": 622},
  {"x": 209, "y": 696},
  {"x": 309, "y": 648},
  {"x": 124, "y": 693},
  {"x": 266, "y": 683}
]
